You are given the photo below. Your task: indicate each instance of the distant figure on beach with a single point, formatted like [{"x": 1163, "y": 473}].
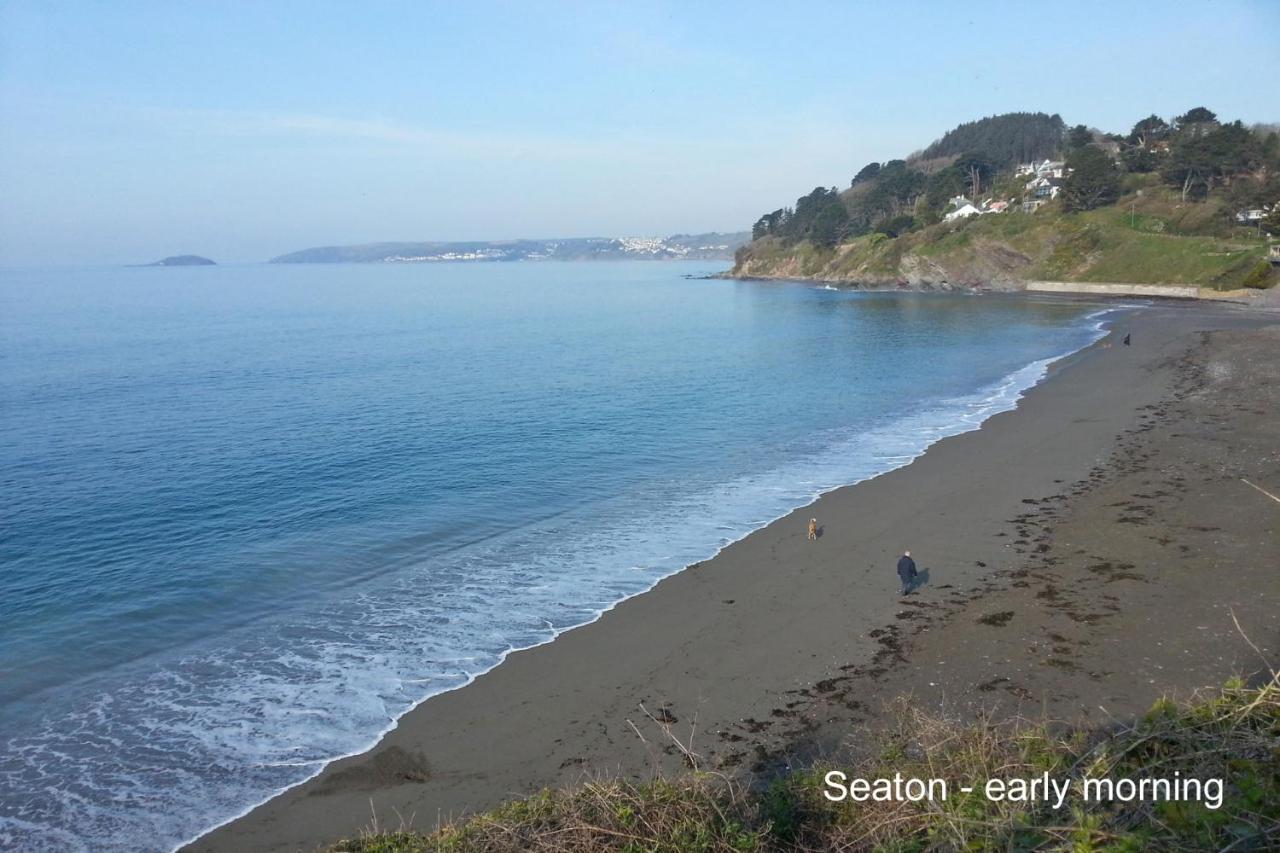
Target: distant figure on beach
[
  {"x": 1126, "y": 339},
  {"x": 813, "y": 528},
  {"x": 907, "y": 572}
]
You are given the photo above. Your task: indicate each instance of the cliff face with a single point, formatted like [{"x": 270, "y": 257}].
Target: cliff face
[{"x": 879, "y": 261}]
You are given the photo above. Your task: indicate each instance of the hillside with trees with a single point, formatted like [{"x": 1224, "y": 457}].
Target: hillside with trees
[
  {"x": 1023, "y": 196},
  {"x": 1004, "y": 139}
]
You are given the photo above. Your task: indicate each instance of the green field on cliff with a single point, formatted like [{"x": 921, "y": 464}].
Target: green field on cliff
[{"x": 1147, "y": 239}]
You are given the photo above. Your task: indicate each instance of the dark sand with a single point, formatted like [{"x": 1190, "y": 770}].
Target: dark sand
[{"x": 1083, "y": 554}]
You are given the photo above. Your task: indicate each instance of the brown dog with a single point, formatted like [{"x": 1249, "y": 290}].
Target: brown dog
[{"x": 813, "y": 528}]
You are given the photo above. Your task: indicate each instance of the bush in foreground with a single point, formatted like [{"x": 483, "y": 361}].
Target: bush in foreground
[{"x": 1233, "y": 735}]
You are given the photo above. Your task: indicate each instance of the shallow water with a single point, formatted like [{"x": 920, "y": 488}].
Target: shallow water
[{"x": 253, "y": 514}]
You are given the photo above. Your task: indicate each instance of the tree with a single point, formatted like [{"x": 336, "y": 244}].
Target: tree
[
  {"x": 1188, "y": 166},
  {"x": 1150, "y": 129},
  {"x": 865, "y": 174},
  {"x": 1233, "y": 149},
  {"x": 1093, "y": 182},
  {"x": 1271, "y": 222},
  {"x": 1196, "y": 115},
  {"x": 828, "y": 225},
  {"x": 1195, "y": 122},
  {"x": 1078, "y": 137},
  {"x": 1270, "y": 151},
  {"x": 896, "y": 190},
  {"x": 977, "y": 169},
  {"x": 1140, "y": 159},
  {"x": 942, "y": 186},
  {"x": 768, "y": 224},
  {"x": 1219, "y": 152}
]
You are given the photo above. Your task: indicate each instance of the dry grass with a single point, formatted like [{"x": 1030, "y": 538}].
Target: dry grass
[{"x": 1233, "y": 735}]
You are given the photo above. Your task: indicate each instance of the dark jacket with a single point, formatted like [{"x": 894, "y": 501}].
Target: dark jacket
[{"x": 906, "y": 568}]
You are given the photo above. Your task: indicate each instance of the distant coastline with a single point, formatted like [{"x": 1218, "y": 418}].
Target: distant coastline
[{"x": 683, "y": 247}]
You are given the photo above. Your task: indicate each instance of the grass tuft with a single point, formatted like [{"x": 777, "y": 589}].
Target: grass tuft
[{"x": 1232, "y": 734}]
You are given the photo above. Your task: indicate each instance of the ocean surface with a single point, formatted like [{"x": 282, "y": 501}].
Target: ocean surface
[{"x": 250, "y": 515}]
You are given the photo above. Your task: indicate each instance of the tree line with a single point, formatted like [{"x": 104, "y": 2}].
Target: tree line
[{"x": 1194, "y": 153}]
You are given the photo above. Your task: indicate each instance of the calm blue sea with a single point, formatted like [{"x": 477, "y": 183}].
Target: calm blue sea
[{"x": 251, "y": 515}]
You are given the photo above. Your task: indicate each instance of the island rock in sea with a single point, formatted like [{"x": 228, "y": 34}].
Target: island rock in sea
[{"x": 183, "y": 261}]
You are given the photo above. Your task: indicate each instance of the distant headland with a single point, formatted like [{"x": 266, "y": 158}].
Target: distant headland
[{"x": 182, "y": 261}]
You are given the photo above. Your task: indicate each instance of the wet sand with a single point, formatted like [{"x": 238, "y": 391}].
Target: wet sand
[{"x": 1082, "y": 555}]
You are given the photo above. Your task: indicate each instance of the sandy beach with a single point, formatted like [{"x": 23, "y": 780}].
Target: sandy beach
[{"x": 1081, "y": 556}]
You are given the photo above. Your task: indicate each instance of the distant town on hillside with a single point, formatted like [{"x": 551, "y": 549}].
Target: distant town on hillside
[{"x": 710, "y": 246}]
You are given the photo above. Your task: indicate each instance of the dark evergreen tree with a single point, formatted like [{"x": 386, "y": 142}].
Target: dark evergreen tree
[
  {"x": 865, "y": 174},
  {"x": 1093, "y": 182},
  {"x": 1078, "y": 137},
  {"x": 1196, "y": 115},
  {"x": 1150, "y": 129},
  {"x": 1139, "y": 159},
  {"x": 828, "y": 225}
]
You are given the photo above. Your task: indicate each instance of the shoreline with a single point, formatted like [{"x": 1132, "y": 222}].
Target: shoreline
[
  {"x": 402, "y": 769},
  {"x": 1059, "y": 290},
  {"x": 1049, "y": 366}
]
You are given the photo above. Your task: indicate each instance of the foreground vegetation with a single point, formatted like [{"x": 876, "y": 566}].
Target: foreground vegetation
[{"x": 1233, "y": 735}]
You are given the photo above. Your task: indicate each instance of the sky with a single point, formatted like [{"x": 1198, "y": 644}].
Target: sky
[{"x": 240, "y": 131}]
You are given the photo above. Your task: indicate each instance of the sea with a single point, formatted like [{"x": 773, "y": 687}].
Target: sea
[{"x": 251, "y": 515}]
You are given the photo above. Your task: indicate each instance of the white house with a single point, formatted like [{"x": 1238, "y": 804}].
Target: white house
[
  {"x": 1251, "y": 216},
  {"x": 962, "y": 212},
  {"x": 1051, "y": 169},
  {"x": 1043, "y": 188}
]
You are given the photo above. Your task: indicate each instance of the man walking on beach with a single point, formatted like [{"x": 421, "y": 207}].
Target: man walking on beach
[{"x": 907, "y": 572}]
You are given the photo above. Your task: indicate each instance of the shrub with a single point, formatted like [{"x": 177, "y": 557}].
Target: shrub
[{"x": 1260, "y": 277}]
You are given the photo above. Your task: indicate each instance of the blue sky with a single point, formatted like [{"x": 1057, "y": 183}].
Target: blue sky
[{"x": 129, "y": 131}]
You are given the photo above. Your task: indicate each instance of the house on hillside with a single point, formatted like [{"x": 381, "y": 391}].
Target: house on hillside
[
  {"x": 963, "y": 212},
  {"x": 1252, "y": 216},
  {"x": 1043, "y": 188},
  {"x": 958, "y": 201},
  {"x": 995, "y": 206},
  {"x": 1024, "y": 169},
  {"x": 1055, "y": 169},
  {"x": 1032, "y": 205}
]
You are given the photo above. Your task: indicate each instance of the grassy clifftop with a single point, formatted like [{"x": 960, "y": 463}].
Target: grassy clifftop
[
  {"x": 1231, "y": 736},
  {"x": 1147, "y": 238}
]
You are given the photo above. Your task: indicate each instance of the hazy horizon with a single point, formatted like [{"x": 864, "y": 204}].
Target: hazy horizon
[{"x": 136, "y": 131}]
